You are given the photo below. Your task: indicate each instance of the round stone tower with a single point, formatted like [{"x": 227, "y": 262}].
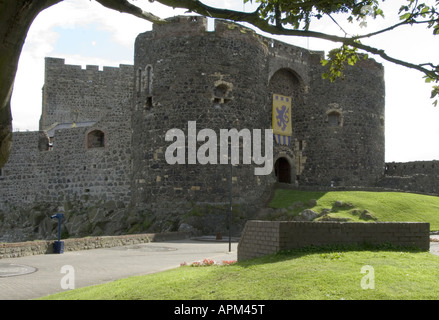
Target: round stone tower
[{"x": 187, "y": 76}]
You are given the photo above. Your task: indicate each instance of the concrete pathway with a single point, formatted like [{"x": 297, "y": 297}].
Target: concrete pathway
[{"x": 40, "y": 275}]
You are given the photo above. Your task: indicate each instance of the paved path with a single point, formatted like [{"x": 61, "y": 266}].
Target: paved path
[
  {"x": 41, "y": 275},
  {"x": 36, "y": 276}
]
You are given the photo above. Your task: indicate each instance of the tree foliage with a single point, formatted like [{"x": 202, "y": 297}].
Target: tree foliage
[{"x": 278, "y": 17}]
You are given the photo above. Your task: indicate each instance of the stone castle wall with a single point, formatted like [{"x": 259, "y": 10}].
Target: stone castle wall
[
  {"x": 106, "y": 166},
  {"x": 91, "y": 184},
  {"x": 72, "y": 94},
  {"x": 414, "y": 176}
]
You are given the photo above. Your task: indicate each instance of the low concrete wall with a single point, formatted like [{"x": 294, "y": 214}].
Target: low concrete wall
[
  {"x": 20, "y": 249},
  {"x": 261, "y": 238}
]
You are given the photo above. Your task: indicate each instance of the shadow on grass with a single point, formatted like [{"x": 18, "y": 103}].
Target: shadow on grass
[
  {"x": 283, "y": 197},
  {"x": 285, "y": 255}
]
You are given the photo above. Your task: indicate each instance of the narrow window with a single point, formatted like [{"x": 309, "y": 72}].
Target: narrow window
[
  {"x": 148, "y": 81},
  {"x": 149, "y": 102},
  {"x": 300, "y": 145},
  {"x": 148, "y": 86},
  {"x": 139, "y": 80}
]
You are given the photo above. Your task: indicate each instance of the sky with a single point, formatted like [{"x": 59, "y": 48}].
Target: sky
[{"x": 85, "y": 33}]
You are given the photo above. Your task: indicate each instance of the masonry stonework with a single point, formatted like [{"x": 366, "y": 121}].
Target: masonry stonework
[
  {"x": 99, "y": 155},
  {"x": 261, "y": 238}
]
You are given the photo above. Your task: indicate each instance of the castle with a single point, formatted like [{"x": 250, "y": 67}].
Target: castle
[{"x": 99, "y": 155}]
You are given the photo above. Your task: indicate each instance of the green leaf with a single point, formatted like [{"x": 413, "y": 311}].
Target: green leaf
[
  {"x": 434, "y": 92},
  {"x": 405, "y": 16},
  {"x": 425, "y": 10}
]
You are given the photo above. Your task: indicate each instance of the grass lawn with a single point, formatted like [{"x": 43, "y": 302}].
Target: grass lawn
[
  {"x": 303, "y": 274},
  {"x": 385, "y": 206},
  {"x": 311, "y": 273}
]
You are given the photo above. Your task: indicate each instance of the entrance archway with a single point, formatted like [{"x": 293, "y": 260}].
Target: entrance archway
[{"x": 282, "y": 170}]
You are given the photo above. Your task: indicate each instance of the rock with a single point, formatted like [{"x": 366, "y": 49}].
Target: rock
[
  {"x": 312, "y": 203},
  {"x": 184, "y": 227},
  {"x": 306, "y": 215},
  {"x": 324, "y": 212},
  {"x": 338, "y": 203},
  {"x": 366, "y": 215}
]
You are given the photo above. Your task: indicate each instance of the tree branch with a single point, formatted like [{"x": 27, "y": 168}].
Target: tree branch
[
  {"x": 254, "y": 19},
  {"x": 403, "y": 23},
  {"x": 126, "y": 7}
]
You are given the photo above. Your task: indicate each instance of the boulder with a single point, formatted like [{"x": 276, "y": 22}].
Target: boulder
[
  {"x": 306, "y": 215},
  {"x": 366, "y": 215}
]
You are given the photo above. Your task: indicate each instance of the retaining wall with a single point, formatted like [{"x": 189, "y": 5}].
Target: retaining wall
[
  {"x": 21, "y": 249},
  {"x": 261, "y": 238}
]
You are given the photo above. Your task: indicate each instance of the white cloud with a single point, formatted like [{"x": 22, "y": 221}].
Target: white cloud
[{"x": 41, "y": 40}]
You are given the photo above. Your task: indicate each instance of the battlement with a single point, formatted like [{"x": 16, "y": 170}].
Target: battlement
[
  {"x": 52, "y": 63},
  {"x": 75, "y": 94},
  {"x": 412, "y": 168},
  {"x": 188, "y": 25}
]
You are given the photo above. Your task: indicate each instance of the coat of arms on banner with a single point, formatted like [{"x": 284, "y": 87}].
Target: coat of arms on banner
[{"x": 281, "y": 119}]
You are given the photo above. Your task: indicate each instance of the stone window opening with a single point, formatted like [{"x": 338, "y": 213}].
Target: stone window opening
[
  {"x": 148, "y": 82},
  {"x": 221, "y": 94},
  {"x": 139, "y": 80},
  {"x": 148, "y": 86},
  {"x": 44, "y": 142},
  {"x": 96, "y": 139},
  {"x": 148, "y": 102},
  {"x": 334, "y": 118}
]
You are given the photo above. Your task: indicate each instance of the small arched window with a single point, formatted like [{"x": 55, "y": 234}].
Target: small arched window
[
  {"x": 221, "y": 94},
  {"x": 334, "y": 119},
  {"x": 96, "y": 139}
]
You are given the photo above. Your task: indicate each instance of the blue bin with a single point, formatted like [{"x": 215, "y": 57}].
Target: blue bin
[{"x": 58, "y": 247}]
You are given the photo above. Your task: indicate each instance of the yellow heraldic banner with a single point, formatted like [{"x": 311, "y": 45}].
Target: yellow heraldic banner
[{"x": 281, "y": 123}]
